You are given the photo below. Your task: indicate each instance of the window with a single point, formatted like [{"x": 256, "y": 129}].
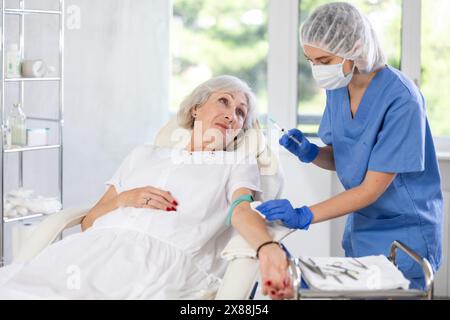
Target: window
[
  {"x": 435, "y": 64},
  {"x": 211, "y": 38},
  {"x": 386, "y": 18}
]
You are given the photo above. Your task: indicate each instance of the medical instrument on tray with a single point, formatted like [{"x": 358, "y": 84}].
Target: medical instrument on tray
[
  {"x": 314, "y": 268},
  {"x": 359, "y": 264},
  {"x": 348, "y": 272}
]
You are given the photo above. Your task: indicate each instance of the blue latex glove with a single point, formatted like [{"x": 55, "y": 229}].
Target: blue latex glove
[
  {"x": 306, "y": 151},
  {"x": 282, "y": 210}
]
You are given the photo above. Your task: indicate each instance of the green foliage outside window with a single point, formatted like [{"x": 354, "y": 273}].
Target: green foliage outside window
[
  {"x": 211, "y": 38},
  {"x": 436, "y": 64}
]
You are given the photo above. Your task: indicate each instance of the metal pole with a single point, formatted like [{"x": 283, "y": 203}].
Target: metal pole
[
  {"x": 61, "y": 95},
  {"x": 2, "y": 50},
  {"x": 22, "y": 85}
]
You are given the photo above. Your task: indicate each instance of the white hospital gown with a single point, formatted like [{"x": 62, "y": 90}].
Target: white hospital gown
[{"x": 133, "y": 253}]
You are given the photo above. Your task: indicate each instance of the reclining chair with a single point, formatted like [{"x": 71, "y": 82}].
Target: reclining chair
[{"x": 241, "y": 273}]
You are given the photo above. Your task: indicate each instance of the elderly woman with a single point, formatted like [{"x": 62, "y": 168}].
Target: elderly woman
[{"x": 158, "y": 230}]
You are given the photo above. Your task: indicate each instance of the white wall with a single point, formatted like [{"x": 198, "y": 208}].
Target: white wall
[
  {"x": 116, "y": 93},
  {"x": 117, "y": 71}
]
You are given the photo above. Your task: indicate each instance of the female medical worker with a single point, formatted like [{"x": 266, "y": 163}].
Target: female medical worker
[{"x": 377, "y": 140}]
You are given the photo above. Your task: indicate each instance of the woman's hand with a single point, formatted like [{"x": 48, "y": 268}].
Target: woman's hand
[
  {"x": 147, "y": 197},
  {"x": 273, "y": 265}
]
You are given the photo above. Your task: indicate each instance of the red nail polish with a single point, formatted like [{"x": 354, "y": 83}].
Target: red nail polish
[
  {"x": 174, "y": 202},
  {"x": 268, "y": 282},
  {"x": 272, "y": 292},
  {"x": 173, "y": 209},
  {"x": 168, "y": 209}
]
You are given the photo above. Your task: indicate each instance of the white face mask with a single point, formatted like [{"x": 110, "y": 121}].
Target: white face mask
[{"x": 331, "y": 77}]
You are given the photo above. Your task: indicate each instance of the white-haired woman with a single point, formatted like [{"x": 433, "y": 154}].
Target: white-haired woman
[
  {"x": 158, "y": 231},
  {"x": 377, "y": 140}
]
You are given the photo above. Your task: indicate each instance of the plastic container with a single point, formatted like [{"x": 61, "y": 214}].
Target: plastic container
[
  {"x": 7, "y": 135},
  {"x": 17, "y": 123},
  {"x": 37, "y": 137},
  {"x": 13, "y": 61}
]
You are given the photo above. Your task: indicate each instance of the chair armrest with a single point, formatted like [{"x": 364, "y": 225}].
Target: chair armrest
[
  {"x": 242, "y": 269},
  {"x": 238, "y": 280},
  {"x": 48, "y": 230}
]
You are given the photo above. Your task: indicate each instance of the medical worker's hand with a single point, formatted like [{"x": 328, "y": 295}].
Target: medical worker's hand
[
  {"x": 306, "y": 151},
  {"x": 282, "y": 210},
  {"x": 147, "y": 197},
  {"x": 273, "y": 265}
]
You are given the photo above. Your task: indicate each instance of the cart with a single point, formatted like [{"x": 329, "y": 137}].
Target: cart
[{"x": 397, "y": 294}]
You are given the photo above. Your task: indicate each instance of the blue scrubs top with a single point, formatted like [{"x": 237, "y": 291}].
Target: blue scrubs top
[{"x": 389, "y": 133}]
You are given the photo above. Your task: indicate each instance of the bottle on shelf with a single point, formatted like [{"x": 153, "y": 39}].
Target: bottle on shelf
[
  {"x": 13, "y": 61},
  {"x": 17, "y": 123},
  {"x": 7, "y": 135}
]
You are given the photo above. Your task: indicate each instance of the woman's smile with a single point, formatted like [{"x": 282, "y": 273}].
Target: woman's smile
[{"x": 222, "y": 127}]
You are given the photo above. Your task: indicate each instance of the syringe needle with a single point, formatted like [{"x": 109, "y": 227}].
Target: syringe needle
[
  {"x": 276, "y": 125},
  {"x": 283, "y": 130}
]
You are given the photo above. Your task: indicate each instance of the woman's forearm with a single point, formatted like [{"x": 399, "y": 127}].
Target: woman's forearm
[
  {"x": 99, "y": 210},
  {"x": 250, "y": 225},
  {"x": 342, "y": 204},
  {"x": 369, "y": 191},
  {"x": 325, "y": 159},
  {"x": 273, "y": 263}
]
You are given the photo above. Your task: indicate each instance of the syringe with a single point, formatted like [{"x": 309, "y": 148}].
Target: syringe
[{"x": 284, "y": 131}]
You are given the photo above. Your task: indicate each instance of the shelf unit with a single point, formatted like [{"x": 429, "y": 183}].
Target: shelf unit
[{"x": 22, "y": 12}]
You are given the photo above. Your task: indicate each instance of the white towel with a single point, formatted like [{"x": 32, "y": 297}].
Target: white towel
[
  {"x": 238, "y": 248},
  {"x": 380, "y": 275},
  {"x": 22, "y": 202},
  {"x": 253, "y": 205}
]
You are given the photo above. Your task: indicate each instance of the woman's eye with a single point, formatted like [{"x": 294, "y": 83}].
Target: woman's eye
[
  {"x": 224, "y": 101},
  {"x": 241, "y": 113}
]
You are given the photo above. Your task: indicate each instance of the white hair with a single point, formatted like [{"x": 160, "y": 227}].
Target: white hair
[{"x": 201, "y": 94}]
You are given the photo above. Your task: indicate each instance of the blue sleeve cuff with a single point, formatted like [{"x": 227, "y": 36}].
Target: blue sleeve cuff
[{"x": 306, "y": 217}]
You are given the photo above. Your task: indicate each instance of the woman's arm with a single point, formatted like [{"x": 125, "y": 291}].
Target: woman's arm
[
  {"x": 273, "y": 260},
  {"x": 250, "y": 225},
  {"x": 144, "y": 197},
  {"x": 325, "y": 159},
  {"x": 373, "y": 186},
  {"x": 106, "y": 204}
]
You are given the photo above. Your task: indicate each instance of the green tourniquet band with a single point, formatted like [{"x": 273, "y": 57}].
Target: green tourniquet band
[{"x": 246, "y": 197}]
